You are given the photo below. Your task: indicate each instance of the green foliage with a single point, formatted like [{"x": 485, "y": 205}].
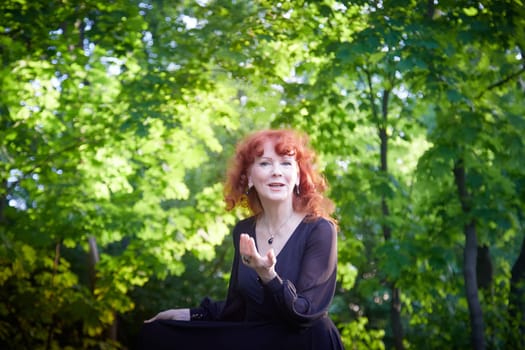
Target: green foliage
[
  {"x": 117, "y": 120},
  {"x": 357, "y": 337},
  {"x": 41, "y": 295}
]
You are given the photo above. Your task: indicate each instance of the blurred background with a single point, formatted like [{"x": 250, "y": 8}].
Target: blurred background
[{"x": 117, "y": 120}]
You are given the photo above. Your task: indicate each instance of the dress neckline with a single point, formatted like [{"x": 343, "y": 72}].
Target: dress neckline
[{"x": 285, "y": 243}]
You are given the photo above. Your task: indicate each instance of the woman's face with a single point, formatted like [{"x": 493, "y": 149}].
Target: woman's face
[{"x": 274, "y": 176}]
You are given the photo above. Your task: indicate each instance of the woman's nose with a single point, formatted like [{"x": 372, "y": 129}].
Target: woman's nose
[{"x": 277, "y": 170}]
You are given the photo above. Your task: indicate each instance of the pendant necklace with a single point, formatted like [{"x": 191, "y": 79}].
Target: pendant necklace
[{"x": 270, "y": 240}]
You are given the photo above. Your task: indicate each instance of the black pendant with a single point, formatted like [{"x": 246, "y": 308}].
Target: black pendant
[{"x": 270, "y": 240}]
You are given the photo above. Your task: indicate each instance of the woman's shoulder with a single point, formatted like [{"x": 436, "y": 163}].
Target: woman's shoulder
[
  {"x": 246, "y": 225},
  {"x": 319, "y": 232},
  {"x": 319, "y": 223}
]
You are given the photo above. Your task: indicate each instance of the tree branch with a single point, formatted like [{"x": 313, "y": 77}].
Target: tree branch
[{"x": 502, "y": 82}]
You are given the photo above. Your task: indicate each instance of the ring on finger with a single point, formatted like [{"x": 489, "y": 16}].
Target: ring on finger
[{"x": 245, "y": 259}]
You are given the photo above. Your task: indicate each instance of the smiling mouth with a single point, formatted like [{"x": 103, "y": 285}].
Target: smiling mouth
[{"x": 276, "y": 185}]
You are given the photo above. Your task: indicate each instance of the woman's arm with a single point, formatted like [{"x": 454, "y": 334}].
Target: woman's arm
[
  {"x": 231, "y": 309},
  {"x": 310, "y": 297},
  {"x": 171, "y": 314}
]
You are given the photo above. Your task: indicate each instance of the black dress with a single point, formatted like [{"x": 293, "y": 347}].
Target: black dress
[{"x": 290, "y": 312}]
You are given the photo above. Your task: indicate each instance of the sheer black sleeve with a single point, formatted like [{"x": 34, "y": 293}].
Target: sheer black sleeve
[
  {"x": 310, "y": 297},
  {"x": 207, "y": 311}
]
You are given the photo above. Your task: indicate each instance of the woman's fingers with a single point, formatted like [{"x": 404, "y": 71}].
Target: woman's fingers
[
  {"x": 271, "y": 257},
  {"x": 242, "y": 243},
  {"x": 154, "y": 318},
  {"x": 250, "y": 255},
  {"x": 244, "y": 249},
  {"x": 248, "y": 251},
  {"x": 247, "y": 245}
]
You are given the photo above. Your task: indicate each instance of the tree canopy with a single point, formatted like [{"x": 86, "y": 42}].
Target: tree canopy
[{"x": 118, "y": 120}]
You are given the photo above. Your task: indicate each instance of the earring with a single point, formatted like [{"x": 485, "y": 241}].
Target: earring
[
  {"x": 248, "y": 190},
  {"x": 297, "y": 192}
]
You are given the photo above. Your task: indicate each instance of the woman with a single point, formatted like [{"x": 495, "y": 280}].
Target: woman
[{"x": 284, "y": 270}]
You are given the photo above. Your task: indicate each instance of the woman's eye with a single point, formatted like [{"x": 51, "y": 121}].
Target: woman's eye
[
  {"x": 286, "y": 163},
  {"x": 264, "y": 163}
]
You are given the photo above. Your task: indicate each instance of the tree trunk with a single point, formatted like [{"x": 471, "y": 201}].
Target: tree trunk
[
  {"x": 469, "y": 261},
  {"x": 3, "y": 201},
  {"x": 382, "y": 122},
  {"x": 395, "y": 304},
  {"x": 431, "y": 9},
  {"x": 484, "y": 269},
  {"x": 395, "y": 315},
  {"x": 93, "y": 260},
  {"x": 517, "y": 298},
  {"x": 53, "y": 324}
]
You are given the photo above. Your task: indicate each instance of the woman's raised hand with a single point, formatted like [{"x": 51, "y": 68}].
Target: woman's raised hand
[{"x": 264, "y": 265}]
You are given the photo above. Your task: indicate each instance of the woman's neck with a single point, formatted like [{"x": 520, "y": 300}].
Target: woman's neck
[{"x": 276, "y": 213}]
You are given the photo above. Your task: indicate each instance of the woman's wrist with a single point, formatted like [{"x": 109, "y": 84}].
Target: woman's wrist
[{"x": 266, "y": 275}]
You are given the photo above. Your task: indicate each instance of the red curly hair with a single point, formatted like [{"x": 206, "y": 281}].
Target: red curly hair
[{"x": 310, "y": 198}]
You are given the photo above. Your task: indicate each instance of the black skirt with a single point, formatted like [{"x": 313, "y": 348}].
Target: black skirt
[{"x": 218, "y": 335}]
